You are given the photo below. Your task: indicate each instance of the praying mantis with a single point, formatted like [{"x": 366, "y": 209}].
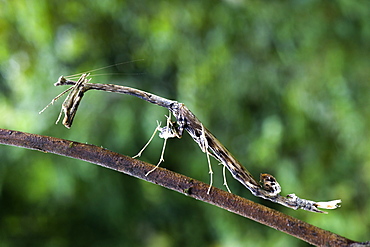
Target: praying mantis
[{"x": 267, "y": 188}]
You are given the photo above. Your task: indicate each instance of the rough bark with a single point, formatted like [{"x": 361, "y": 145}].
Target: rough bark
[{"x": 179, "y": 183}]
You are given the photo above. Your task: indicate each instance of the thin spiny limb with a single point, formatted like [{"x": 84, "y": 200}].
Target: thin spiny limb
[
  {"x": 160, "y": 160},
  {"x": 224, "y": 176},
  {"x": 55, "y": 99},
  {"x": 210, "y": 172},
  {"x": 59, "y": 116},
  {"x": 151, "y": 138},
  {"x": 165, "y": 133},
  {"x": 204, "y": 148}
]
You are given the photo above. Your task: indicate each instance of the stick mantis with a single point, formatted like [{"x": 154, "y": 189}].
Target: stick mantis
[{"x": 267, "y": 188}]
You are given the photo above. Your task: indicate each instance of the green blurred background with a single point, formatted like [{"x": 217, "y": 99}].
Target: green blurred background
[{"x": 284, "y": 85}]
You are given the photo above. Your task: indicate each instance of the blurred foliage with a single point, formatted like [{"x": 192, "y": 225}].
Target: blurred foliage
[{"x": 284, "y": 85}]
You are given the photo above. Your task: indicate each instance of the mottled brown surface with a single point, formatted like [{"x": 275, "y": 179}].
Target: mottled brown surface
[{"x": 177, "y": 182}]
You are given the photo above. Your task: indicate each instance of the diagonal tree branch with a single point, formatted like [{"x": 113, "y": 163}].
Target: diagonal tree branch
[{"x": 179, "y": 183}]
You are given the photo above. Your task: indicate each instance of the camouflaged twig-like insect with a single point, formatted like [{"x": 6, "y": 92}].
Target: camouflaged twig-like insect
[{"x": 268, "y": 187}]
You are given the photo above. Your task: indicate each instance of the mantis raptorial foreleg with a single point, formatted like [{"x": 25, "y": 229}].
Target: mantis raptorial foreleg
[{"x": 71, "y": 103}]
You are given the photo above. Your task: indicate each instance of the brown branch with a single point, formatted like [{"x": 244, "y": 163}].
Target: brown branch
[{"x": 179, "y": 183}]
